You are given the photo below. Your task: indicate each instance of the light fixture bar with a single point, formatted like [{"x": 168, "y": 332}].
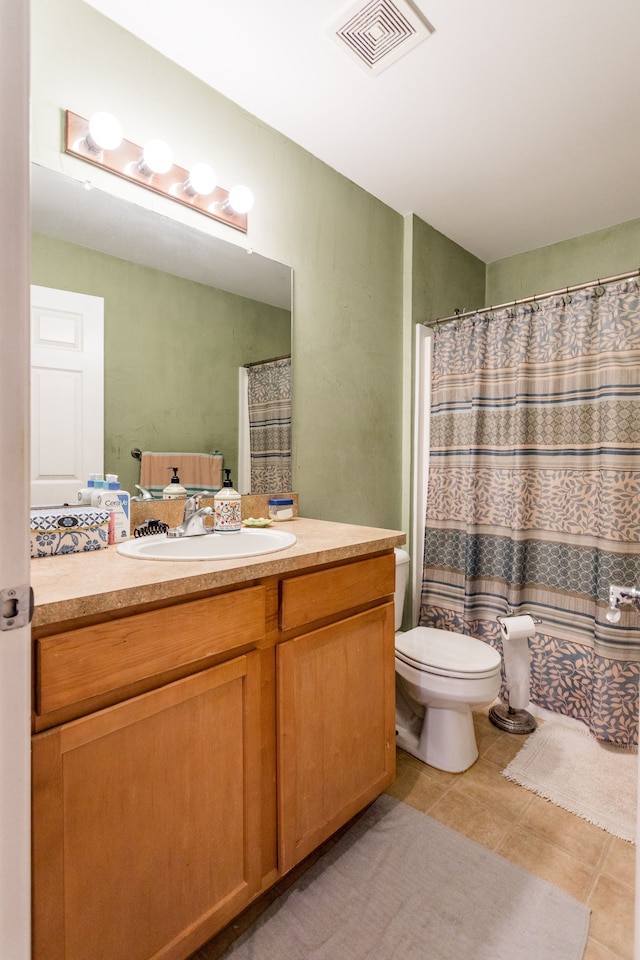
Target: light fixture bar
[{"x": 124, "y": 161}]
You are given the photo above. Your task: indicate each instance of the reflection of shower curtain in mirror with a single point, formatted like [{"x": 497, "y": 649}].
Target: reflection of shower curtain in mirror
[
  {"x": 534, "y": 492},
  {"x": 269, "y": 390}
]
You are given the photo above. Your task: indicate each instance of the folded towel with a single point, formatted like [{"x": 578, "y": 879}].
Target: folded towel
[{"x": 197, "y": 471}]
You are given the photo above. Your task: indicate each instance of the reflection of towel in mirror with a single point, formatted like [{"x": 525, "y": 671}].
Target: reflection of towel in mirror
[{"x": 197, "y": 471}]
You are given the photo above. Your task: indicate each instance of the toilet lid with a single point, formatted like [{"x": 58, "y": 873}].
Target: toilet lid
[{"x": 446, "y": 653}]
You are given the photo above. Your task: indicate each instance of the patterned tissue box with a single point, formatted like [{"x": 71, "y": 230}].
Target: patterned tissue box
[{"x": 56, "y": 530}]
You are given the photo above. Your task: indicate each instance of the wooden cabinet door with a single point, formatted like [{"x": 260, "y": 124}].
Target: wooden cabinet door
[
  {"x": 147, "y": 820},
  {"x": 336, "y": 727}
]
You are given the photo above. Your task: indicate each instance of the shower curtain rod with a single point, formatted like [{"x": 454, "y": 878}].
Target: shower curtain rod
[
  {"x": 536, "y": 297},
  {"x": 256, "y": 363}
]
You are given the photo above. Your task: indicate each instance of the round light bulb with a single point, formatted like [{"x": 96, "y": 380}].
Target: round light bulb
[
  {"x": 613, "y": 615},
  {"x": 240, "y": 199},
  {"x": 202, "y": 180},
  {"x": 157, "y": 157},
  {"x": 105, "y": 132}
]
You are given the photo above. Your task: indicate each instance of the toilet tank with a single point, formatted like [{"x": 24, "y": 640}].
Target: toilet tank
[{"x": 402, "y": 575}]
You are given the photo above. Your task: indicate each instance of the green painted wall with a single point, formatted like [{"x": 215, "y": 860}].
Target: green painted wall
[
  {"x": 445, "y": 276},
  {"x": 440, "y": 276},
  {"x": 363, "y": 274},
  {"x": 345, "y": 247},
  {"x": 172, "y": 351},
  {"x": 604, "y": 253}
]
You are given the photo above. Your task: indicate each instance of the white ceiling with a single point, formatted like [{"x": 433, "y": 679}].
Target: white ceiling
[
  {"x": 515, "y": 125},
  {"x": 62, "y": 207}
]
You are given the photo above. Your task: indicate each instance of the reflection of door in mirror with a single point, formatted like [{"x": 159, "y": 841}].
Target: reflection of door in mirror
[{"x": 67, "y": 420}]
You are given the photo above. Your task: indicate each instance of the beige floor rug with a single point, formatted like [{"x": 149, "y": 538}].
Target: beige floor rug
[
  {"x": 596, "y": 781},
  {"x": 401, "y": 886}
]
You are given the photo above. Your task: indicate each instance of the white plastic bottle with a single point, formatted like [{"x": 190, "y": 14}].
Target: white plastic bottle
[
  {"x": 99, "y": 486},
  {"x": 118, "y": 503},
  {"x": 84, "y": 494},
  {"x": 227, "y": 516}
]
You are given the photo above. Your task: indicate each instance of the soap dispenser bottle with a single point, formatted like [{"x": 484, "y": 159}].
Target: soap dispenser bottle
[
  {"x": 174, "y": 489},
  {"x": 99, "y": 487},
  {"x": 110, "y": 497},
  {"x": 85, "y": 494},
  {"x": 226, "y": 508},
  {"x": 119, "y": 503}
]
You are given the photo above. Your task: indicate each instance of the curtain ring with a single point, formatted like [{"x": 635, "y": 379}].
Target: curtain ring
[
  {"x": 535, "y": 306},
  {"x": 599, "y": 289}
]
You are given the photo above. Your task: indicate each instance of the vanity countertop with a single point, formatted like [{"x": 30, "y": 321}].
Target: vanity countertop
[{"x": 79, "y": 585}]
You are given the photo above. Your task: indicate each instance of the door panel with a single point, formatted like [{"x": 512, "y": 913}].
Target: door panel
[
  {"x": 147, "y": 819},
  {"x": 67, "y": 387},
  {"x": 15, "y": 652},
  {"x": 336, "y": 727}
]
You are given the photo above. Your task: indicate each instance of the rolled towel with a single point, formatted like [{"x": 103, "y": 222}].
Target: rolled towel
[{"x": 197, "y": 471}]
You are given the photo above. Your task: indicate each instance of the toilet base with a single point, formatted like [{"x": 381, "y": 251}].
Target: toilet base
[{"x": 445, "y": 741}]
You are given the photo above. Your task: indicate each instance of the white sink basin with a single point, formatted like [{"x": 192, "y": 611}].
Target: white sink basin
[{"x": 210, "y": 546}]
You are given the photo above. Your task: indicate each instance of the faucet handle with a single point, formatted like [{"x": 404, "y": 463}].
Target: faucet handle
[{"x": 192, "y": 505}]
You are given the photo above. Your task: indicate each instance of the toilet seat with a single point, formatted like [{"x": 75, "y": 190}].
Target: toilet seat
[{"x": 447, "y": 653}]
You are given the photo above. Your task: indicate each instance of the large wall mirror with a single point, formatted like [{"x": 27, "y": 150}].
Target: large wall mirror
[{"x": 183, "y": 312}]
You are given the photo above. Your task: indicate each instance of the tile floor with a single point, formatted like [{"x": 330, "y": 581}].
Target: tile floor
[{"x": 590, "y": 864}]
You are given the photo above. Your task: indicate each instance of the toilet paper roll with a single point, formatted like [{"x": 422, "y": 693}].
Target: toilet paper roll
[
  {"x": 514, "y": 628},
  {"x": 515, "y": 633}
]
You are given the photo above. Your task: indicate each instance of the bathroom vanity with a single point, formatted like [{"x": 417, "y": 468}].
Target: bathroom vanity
[{"x": 198, "y": 729}]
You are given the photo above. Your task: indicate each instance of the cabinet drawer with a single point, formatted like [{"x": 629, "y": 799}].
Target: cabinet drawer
[
  {"x": 327, "y": 592},
  {"x": 90, "y": 661}
]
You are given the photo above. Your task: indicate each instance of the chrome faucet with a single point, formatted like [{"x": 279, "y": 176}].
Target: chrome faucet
[
  {"x": 193, "y": 520},
  {"x": 618, "y": 595},
  {"x": 143, "y": 495}
]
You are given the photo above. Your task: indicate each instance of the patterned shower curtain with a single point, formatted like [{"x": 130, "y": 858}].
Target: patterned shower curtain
[
  {"x": 534, "y": 493},
  {"x": 270, "y": 426}
]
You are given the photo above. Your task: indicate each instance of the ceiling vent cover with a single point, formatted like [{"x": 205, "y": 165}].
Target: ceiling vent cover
[{"x": 380, "y": 32}]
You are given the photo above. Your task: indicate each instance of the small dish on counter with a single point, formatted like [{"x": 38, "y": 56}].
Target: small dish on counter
[{"x": 257, "y": 522}]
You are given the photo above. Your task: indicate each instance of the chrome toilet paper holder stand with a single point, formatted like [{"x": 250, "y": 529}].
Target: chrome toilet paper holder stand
[{"x": 503, "y": 715}]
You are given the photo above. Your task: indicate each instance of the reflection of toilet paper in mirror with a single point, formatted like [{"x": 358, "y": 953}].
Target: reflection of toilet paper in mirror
[{"x": 515, "y": 632}]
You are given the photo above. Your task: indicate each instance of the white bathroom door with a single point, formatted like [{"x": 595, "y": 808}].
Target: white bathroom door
[
  {"x": 15, "y": 646},
  {"x": 67, "y": 390}
]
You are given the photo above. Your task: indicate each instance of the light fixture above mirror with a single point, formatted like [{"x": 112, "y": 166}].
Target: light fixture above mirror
[{"x": 100, "y": 141}]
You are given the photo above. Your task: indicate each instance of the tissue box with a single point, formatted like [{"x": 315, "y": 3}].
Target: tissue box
[{"x": 56, "y": 530}]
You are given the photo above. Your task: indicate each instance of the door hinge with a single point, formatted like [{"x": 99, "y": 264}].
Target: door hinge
[{"x": 16, "y": 607}]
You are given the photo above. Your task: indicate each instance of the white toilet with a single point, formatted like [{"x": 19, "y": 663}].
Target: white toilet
[{"x": 441, "y": 676}]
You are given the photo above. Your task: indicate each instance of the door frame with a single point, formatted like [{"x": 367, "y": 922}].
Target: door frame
[{"x": 15, "y": 659}]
